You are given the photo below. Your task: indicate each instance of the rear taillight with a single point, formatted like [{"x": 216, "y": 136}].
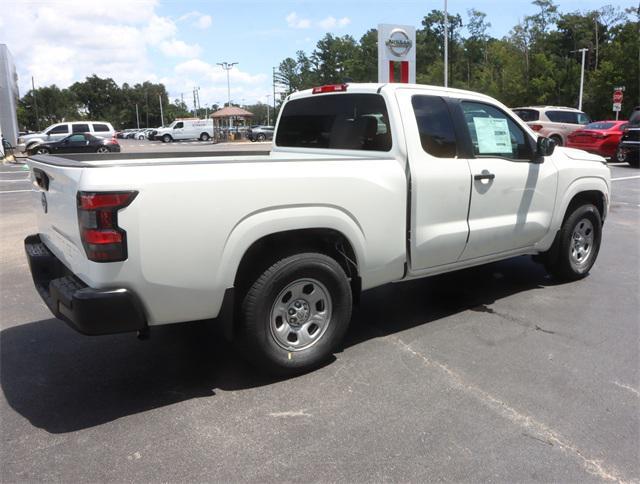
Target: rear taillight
[
  {"x": 329, "y": 88},
  {"x": 536, "y": 127},
  {"x": 102, "y": 239}
]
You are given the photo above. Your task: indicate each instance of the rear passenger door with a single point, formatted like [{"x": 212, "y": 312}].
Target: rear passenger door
[
  {"x": 513, "y": 194},
  {"x": 440, "y": 181}
]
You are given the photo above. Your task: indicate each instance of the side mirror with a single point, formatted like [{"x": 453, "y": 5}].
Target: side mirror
[{"x": 544, "y": 147}]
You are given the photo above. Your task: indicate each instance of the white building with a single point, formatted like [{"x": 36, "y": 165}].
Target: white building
[{"x": 9, "y": 96}]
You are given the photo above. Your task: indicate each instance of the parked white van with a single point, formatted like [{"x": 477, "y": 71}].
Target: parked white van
[{"x": 186, "y": 128}]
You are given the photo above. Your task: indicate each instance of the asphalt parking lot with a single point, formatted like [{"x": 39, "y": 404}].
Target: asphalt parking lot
[{"x": 491, "y": 374}]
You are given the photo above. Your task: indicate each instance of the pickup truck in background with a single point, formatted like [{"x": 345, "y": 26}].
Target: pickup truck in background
[{"x": 366, "y": 184}]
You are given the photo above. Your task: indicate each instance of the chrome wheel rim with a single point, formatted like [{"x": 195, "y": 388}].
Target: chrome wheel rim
[
  {"x": 581, "y": 242},
  {"x": 621, "y": 155},
  {"x": 42, "y": 151},
  {"x": 102, "y": 149},
  {"x": 300, "y": 314}
]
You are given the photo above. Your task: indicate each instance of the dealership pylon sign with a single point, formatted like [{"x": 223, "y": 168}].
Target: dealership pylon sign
[{"x": 396, "y": 53}]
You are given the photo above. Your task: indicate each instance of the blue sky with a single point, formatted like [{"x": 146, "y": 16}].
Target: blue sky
[{"x": 180, "y": 42}]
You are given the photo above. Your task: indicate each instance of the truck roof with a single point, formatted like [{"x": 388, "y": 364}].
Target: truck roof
[{"x": 376, "y": 87}]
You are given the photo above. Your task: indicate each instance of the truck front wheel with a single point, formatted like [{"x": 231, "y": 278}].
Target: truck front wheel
[
  {"x": 295, "y": 314},
  {"x": 167, "y": 138},
  {"x": 577, "y": 244}
]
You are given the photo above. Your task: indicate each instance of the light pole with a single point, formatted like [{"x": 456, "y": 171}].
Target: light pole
[
  {"x": 583, "y": 50},
  {"x": 446, "y": 46},
  {"x": 227, "y": 66},
  {"x": 161, "y": 113}
]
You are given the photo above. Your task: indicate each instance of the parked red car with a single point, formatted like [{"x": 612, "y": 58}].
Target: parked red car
[{"x": 599, "y": 137}]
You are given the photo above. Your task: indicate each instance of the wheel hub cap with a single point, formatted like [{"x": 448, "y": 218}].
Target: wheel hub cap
[
  {"x": 581, "y": 241},
  {"x": 300, "y": 314}
]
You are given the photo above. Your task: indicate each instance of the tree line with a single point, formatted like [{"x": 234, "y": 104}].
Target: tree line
[{"x": 537, "y": 63}]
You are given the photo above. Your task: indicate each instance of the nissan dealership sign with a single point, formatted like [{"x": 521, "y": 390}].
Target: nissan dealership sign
[{"x": 396, "y": 53}]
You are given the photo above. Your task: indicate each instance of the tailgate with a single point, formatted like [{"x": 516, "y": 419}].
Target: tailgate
[{"x": 55, "y": 206}]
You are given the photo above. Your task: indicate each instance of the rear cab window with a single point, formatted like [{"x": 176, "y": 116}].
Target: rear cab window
[
  {"x": 337, "y": 121},
  {"x": 435, "y": 125}
]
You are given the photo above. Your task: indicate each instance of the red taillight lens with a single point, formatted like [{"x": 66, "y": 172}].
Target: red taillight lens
[
  {"x": 329, "y": 88},
  {"x": 536, "y": 127},
  {"x": 102, "y": 239}
]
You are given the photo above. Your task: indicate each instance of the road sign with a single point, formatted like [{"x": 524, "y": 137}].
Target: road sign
[
  {"x": 617, "y": 107},
  {"x": 617, "y": 97}
]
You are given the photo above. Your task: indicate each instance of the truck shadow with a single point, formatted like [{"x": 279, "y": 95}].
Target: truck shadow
[{"x": 62, "y": 381}]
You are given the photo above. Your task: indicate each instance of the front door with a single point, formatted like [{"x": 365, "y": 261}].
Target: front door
[
  {"x": 513, "y": 195},
  {"x": 440, "y": 181}
]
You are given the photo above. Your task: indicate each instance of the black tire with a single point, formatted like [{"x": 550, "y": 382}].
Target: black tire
[
  {"x": 257, "y": 324},
  {"x": 563, "y": 259},
  {"x": 557, "y": 139},
  {"x": 167, "y": 138},
  {"x": 205, "y": 137},
  {"x": 40, "y": 151},
  {"x": 620, "y": 156},
  {"x": 261, "y": 137},
  {"x": 102, "y": 149}
]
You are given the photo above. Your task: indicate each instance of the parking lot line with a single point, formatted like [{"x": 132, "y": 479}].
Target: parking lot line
[
  {"x": 14, "y": 191},
  {"x": 15, "y": 181},
  {"x": 625, "y": 178}
]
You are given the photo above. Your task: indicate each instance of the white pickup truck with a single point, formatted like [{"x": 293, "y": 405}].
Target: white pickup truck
[{"x": 366, "y": 184}]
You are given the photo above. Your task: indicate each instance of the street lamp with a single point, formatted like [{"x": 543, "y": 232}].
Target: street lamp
[
  {"x": 227, "y": 66},
  {"x": 583, "y": 50}
]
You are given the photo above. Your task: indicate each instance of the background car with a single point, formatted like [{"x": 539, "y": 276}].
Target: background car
[
  {"x": 260, "y": 133},
  {"x": 555, "y": 122},
  {"x": 58, "y": 131},
  {"x": 599, "y": 137},
  {"x": 77, "y": 143},
  {"x": 629, "y": 148}
]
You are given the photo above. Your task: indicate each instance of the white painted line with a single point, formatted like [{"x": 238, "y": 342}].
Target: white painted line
[
  {"x": 15, "y": 191},
  {"x": 14, "y": 171},
  {"x": 617, "y": 164},
  {"x": 15, "y": 181},
  {"x": 626, "y": 178}
]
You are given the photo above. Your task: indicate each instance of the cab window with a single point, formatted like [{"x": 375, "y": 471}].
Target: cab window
[
  {"x": 495, "y": 134},
  {"x": 179, "y": 125},
  {"x": 437, "y": 134}
]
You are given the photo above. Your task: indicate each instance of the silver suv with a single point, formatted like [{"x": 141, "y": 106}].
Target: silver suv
[
  {"x": 555, "y": 122},
  {"x": 58, "y": 131}
]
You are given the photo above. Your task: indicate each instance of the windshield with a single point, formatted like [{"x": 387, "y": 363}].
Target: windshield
[
  {"x": 599, "y": 125},
  {"x": 339, "y": 121}
]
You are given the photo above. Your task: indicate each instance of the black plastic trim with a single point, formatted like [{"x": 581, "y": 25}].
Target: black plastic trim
[{"x": 87, "y": 310}]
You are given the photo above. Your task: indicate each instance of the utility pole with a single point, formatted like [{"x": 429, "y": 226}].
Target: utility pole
[
  {"x": 583, "y": 50},
  {"x": 35, "y": 103},
  {"x": 268, "y": 96},
  {"x": 137, "y": 117},
  {"x": 146, "y": 100},
  {"x": 274, "y": 92},
  {"x": 161, "y": 113},
  {"x": 195, "y": 107},
  {"x": 446, "y": 46}
]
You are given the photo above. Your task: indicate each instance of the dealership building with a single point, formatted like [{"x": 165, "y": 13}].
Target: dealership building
[{"x": 8, "y": 96}]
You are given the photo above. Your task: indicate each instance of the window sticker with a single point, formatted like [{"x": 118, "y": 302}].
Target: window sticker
[{"x": 493, "y": 135}]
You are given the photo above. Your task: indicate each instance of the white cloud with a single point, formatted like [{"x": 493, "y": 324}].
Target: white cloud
[
  {"x": 178, "y": 48},
  {"x": 204, "y": 22},
  {"x": 296, "y": 22},
  {"x": 200, "y": 20},
  {"x": 330, "y": 22},
  {"x": 59, "y": 43}
]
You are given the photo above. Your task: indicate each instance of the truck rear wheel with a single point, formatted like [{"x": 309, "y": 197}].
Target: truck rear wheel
[
  {"x": 295, "y": 314},
  {"x": 576, "y": 247}
]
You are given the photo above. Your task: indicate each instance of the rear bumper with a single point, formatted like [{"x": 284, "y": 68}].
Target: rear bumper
[{"x": 87, "y": 310}]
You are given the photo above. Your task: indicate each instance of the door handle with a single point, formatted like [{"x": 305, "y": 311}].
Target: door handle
[{"x": 484, "y": 176}]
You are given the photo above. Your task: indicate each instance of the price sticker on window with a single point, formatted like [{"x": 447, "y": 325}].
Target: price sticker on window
[{"x": 493, "y": 135}]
